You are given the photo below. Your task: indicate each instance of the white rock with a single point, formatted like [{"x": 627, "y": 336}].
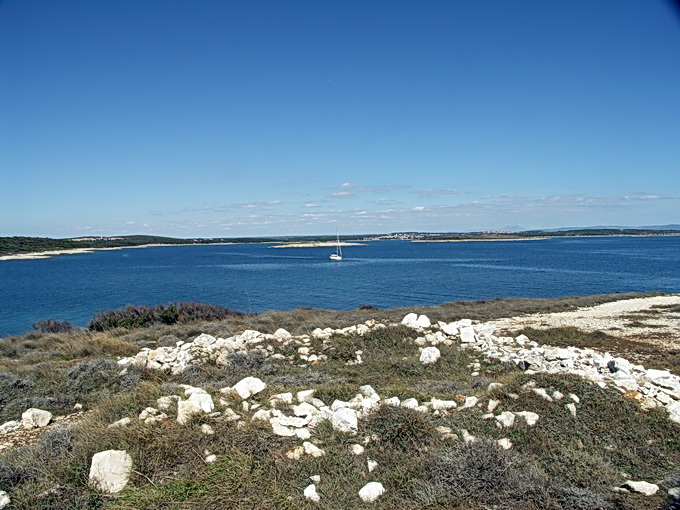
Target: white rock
[
  {"x": 653, "y": 374},
  {"x": 166, "y": 402},
  {"x": 575, "y": 398},
  {"x": 529, "y": 417},
  {"x": 203, "y": 400},
  {"x": 410, "y": 403},
  {"x": 505, "y": 443},
  {"x": 315, "y": 478},
  {"x": 311, "y": 494},
  {"x": 211, "y": 459},
  {"x": 392, "y": 401},
  {"x": 506, "y": 418},
  {"x": 571, "y": 407},
  {"x": 281, "y": 430},
  {"x": 443, "y": 405},
  {"x": 281, "y": 398},
  {"x": 430, "y": 355},
  {"x": 648, "y": 489},
  {"x": 185, "y": 410},
  {"x": 305, "y": 395},
  {"x": 467, "y": 437},
  {"x": 282, "y": 334},
  {"x": 10, "y": 426},
  {"x": 423, "y": 322},
  {"x": 450, "y": 329},
  {"x": 305, "y": 409},
  {"x": 371, "y": 492},
  {"x": 469, "y": 402},
  {"x": 313, "y": 450},
  {"x": 371, "y": 464},
  {"x": 4, "y": 499},
  {"x": 357, "y": 449},
  {"x": 493, "y": 404},
  {"x": 35, "y": 418},
  {"x": 296, "y": 453},
  {"x": 110, "y": 470},
  {"x": 123, "y": 422},
  {"x": 248, "y": 387},
  {"x": 345, "y": 420},
  {"x": 207, "y": 429},
  {"x": 410, "y": 320},
  {"x": 467, "y": 335}
]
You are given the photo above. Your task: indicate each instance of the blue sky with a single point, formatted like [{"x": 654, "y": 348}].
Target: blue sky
[{"x": 248, "y": 118}]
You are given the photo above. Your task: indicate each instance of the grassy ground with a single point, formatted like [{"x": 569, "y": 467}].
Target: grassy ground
[{"x": 562, "y": 462}]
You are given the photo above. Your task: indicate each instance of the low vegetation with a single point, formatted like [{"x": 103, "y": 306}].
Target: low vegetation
[{"x": 565, "y": 462}]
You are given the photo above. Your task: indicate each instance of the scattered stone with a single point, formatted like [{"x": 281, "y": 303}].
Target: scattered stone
[
  {"x": 430, "y": 355},
  {"x": 357, "y": 449},
  {"x": 313, "y": 450},
  {"x": 4, "y": 499},
  {"x": 185, "y": 410},
  {"x": 110, "y": 470},
  {"x": 296, "y": 453},
  {"x": 248, "y": 387},
  {"x": 648, "y": 489},
  {"x": 505, "y": 443},
  {"x": 123, "y": 422},
  {"x": 211, "y": 459},
  {"x": 469, "y": 402},
  {"x": 571, "y": 408},
  {"x": 315, "y": 478},
  {"x": 311, "y": 494},
  {"x": 207, "y": 429},
  {"x": 529, "y": 417},
  {"x": 506, "y": 419},
  {"x": 371, "y": 492},
  {"x": 371, "y": 465},
  {"x": 493, "y": 404},
  {"x": 345, "y": 420},
  {"x": 35, "y": 418}
]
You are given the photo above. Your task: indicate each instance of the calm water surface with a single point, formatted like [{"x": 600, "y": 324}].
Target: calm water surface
[{"x": 386, "y": 274}]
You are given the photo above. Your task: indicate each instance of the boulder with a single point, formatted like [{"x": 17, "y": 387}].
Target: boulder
[
  {"x": 371, "y": 492},
  {"x": 248, "y": 387},
  {"x": 110, "y": 470},
  {"x": 35, "y": 418},
  {"x": 506, "y": 418},
  {"x": 410, "y": 320},
  {"x": 345, "y": 420},
  {"x": 282, "y": 334},
  {"x": 467, "y": 335},
  {"x": 430, "y": 355},
  {"x": 423, "y": 322}
]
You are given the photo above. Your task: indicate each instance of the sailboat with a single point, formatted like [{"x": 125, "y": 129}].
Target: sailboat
[{"x": 338, "y": 250}]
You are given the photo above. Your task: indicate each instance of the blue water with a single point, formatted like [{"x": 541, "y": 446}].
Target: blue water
[{"x": 386, "y": 274}]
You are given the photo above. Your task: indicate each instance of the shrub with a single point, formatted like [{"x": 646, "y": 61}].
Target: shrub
[
  {"x": 575, "y": 498},
  {"x": 484, "y": 472},
  {"x": 53, "y": 326},
  {"x": 401, "y": 428},
  {"x": 143, "y": 316}
]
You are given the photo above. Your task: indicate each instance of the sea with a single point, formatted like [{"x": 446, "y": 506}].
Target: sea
[{"x": 386, "y": 274}]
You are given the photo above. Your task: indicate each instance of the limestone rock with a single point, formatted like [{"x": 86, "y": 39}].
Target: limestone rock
[
  {"x": 467, "y": 335},
  {"x": 311, "y": 494},
  {"x": 313, "y": 450},
  {"x": 4, "y": 499},
  {"x": 430, "y": 355},
  {"x": 423, "y": 322},
  {"x": 506, "y": 419},
  {"x": 648, "y": 489},
  {"x": 529, "y": 417},
  {"x": 35, "y": 418},
  {"x": 185, "y": 410},
  {"x": 110, "y": 470},
  {"x": 248, "y": 387},
  {"x": 345, "y": 420},
  {"x": 371, "y": 492},
  {"x": 123, "y": 422},
  {"x": 410, "y": 320}
]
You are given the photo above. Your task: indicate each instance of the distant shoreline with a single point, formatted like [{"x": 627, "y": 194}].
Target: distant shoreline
[
  {"x": 50, "y": 254},
  {"x": 319, "y": 244}
]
